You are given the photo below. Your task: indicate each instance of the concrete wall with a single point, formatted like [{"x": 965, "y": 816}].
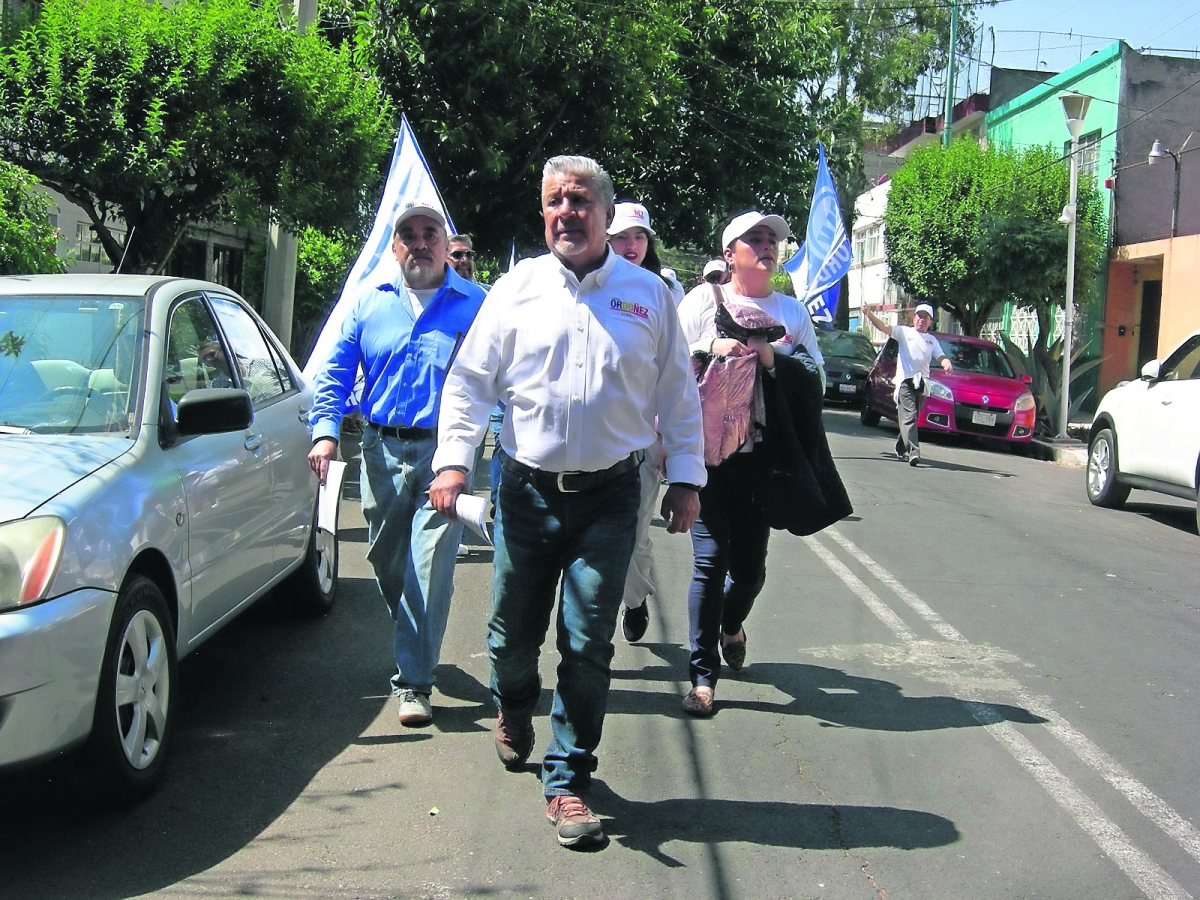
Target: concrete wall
[
  {"x": 1157, "y": 105},
  {"x": 1176, "y": 263}
]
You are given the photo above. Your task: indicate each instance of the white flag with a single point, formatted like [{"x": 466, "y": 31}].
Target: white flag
[{"x": 408, "y": 180}]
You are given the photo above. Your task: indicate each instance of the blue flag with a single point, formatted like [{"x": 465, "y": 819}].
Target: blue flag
[
  {"x": 824, "y": 258},
  {"x": 408, "y": 179}
]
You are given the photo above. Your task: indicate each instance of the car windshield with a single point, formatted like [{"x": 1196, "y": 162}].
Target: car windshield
[
  {"x": 851, "y": 346},
  {"x": 69, "y": 364},
  {"x": 982, "y": 359}
]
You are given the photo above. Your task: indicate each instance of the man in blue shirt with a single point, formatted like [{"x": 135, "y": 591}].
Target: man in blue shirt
[{"x": 403, "y": 335}]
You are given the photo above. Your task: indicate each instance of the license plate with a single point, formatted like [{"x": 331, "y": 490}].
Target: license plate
[
  {"x": 848, "y": 388},
  {"x": 983, "y": 418}
]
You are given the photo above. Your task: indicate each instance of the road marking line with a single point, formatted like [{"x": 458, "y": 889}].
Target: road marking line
[
  {"x": 1142, "y": 870},
  {"x": 882, "y": 611},
  {"x": 919, "y": 606}
]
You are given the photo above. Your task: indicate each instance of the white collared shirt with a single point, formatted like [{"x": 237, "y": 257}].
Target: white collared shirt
[
  {"x": 916, "y": 349},
  {"x": 583, "y": 368}
]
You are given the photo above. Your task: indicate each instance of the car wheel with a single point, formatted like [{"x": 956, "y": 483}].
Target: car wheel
[
  {"x": 1103, "y": 488},
  {"x": 311, "y": 590},
  {"x": 868, "y": 416},
  {"x": 132, "y": 725}
]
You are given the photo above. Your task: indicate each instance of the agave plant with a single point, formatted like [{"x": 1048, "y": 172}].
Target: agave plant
[{"x": 1047, "y": 384}]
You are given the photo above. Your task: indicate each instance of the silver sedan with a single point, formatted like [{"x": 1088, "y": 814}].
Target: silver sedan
[{"x": 153, "y": 443}]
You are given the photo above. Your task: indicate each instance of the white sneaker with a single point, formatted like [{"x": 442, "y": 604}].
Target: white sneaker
[{"x": 415, "y": 708}]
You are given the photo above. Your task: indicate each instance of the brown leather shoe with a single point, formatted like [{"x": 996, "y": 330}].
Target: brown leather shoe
[
  {"x": 577, "y": 826},
  {"x": 514, "y": 739}
]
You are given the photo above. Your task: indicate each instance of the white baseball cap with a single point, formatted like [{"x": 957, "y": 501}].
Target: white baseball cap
[
  {"x": 924, "y": 308},
  {"x": 630, "y": 215},
  {"x": 420, "y": 208},
  {"x": 714, "y": 265},
  {"x": 746, "y": 221}
]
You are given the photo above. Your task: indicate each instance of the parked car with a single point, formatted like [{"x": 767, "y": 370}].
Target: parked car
[
  {"x": 1146, "y": 433},
  {"x": 983, "y": 396},
  {"x": 848, "y": 358},
  {"x": 154, "y": 441}
]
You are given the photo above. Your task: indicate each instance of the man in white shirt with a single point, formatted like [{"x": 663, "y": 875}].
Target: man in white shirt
[
  {"x": 917, "y": 347},
  {"x": 585, "y": 349}
]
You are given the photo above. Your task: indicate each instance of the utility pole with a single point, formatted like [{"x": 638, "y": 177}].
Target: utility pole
[
  {"x": 951, "y": 75},
  {"x": 279, "y": 292}
]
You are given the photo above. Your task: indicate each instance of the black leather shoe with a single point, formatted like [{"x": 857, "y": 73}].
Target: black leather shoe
[{"x": 634, "y": 623}]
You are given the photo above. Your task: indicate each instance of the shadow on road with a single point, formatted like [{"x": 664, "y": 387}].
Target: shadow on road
[
  {"x": 646, "y": 826},
  {"x": 1181, "y": 518},
  {"x": 834, "y": 697},
  {"x": 264, "y": 706}
]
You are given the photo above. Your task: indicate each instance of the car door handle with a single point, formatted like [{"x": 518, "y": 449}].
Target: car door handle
[
  {"x": 303, "y": 415},
  {"x": 253, "y": 442}
]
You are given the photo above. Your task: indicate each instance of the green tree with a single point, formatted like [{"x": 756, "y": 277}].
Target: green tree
[
  {"x": 970, "y": 229},
  {"x": 162, "y": 115},
  {"x": 948, "y": 210},
  {"x": 322, "y": 264},
  {"x": 692, "y": 107},
  {"x": 27, "y": 239},
  {"x": 878, "y": 55}
]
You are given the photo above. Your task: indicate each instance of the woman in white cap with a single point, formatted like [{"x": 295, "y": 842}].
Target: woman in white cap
[
  {"x": 917, "y": 347},
  {"x": 729, "y": 539},
  {"x": 632, "y": 238}
]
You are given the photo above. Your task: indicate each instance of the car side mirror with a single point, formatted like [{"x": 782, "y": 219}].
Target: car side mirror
[
  {"x": 1026, "y": 379},
  {"x": 213, "y": 411},
  {"x": 1151, "y": 369}
]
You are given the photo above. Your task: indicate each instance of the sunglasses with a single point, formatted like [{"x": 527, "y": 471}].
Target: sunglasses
[{"x": 462, "y": 254}]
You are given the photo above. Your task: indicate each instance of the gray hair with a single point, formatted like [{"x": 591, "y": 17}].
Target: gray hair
[
  {"x": 585, "y": 168},
  {"x": 461, "y": 239}
]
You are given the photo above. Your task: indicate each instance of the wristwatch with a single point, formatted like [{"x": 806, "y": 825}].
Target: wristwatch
[{"x": 684, "y": 484}]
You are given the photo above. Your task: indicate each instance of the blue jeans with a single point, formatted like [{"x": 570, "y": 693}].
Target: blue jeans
[
  {"x": 585, "y": 539},
  {"x": 729, "y": 558},
  {"x": 412, "y": 549}
]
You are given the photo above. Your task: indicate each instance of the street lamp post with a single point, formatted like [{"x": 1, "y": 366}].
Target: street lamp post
[
  {"x": 1075, "y": 109},
  {"x": 1157, "y": 153}
]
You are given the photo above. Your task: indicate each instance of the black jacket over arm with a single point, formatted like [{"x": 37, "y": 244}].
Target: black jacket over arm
[{"x": 798, "y": 488}]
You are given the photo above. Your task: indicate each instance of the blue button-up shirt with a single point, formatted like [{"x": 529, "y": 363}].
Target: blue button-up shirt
[{"x": 404, "y": 357}]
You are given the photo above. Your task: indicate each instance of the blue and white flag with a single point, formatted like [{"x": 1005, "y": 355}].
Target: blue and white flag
[
  {"x": 408, "y": 180},
  {"x": 824, "y": 258}
]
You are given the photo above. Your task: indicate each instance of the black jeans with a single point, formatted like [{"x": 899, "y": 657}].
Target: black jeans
[{"x": 729, "y": 551}]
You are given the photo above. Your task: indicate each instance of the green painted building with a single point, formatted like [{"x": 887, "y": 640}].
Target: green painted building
[{"x": 1035, "y": 118}]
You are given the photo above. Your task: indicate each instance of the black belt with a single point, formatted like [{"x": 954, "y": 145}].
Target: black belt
[
  {"x": 403, "y": 432},
  {"x": 572, "y": 482}
]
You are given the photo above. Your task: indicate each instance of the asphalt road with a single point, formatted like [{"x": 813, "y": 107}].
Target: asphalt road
[{"x": 978, "y": 686}]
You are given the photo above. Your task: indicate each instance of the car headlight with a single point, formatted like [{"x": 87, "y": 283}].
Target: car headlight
[
  {"x": 939, "y": 390},
  {"x": 29, "y": 553},
  {"x": 1024, "y": 403}
]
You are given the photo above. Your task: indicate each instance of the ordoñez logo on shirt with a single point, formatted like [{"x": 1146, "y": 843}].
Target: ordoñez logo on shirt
[{"x": 625, "y": 306}]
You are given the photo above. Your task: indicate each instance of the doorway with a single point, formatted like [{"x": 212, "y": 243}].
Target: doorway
[{"x": 1148, "y": 323}]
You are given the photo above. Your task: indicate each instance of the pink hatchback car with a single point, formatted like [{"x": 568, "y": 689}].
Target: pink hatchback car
[{"x": 983, "y": 396}]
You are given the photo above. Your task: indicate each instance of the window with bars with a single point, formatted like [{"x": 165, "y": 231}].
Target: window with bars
[
  {"x": 868, "y": 244},
  {"x": 1089, "y": 154}
]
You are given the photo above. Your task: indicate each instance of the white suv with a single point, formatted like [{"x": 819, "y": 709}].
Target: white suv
[{"x": 1146, "y": 433}]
